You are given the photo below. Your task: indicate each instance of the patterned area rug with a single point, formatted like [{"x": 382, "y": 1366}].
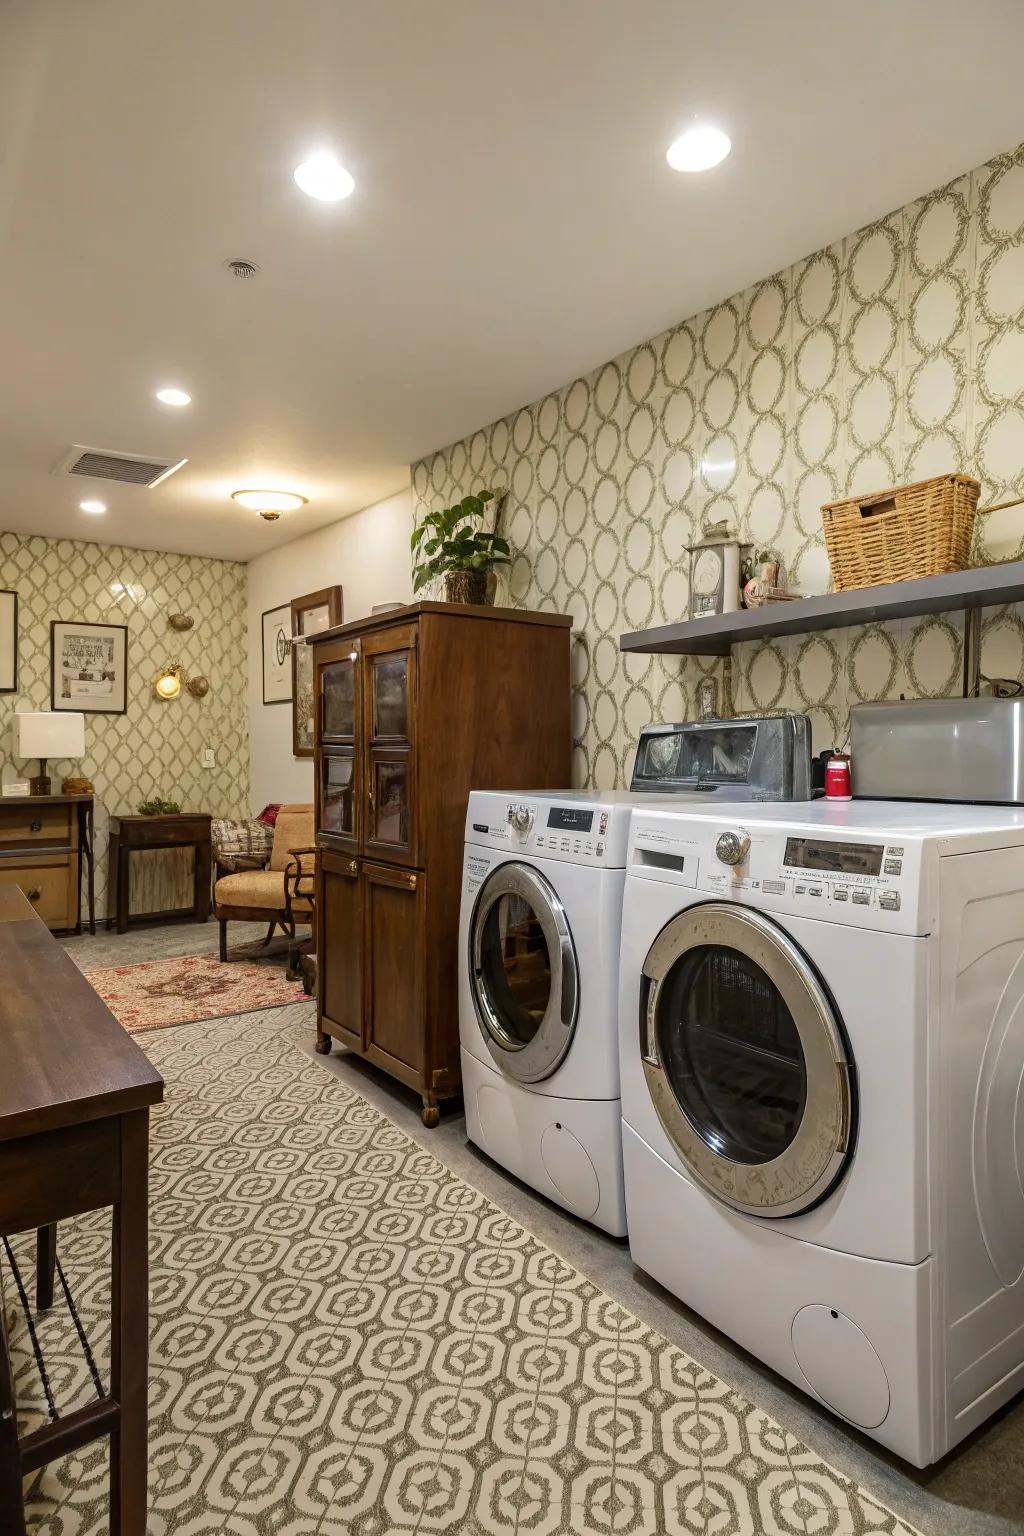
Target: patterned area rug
[
  {"x": 348, "y": 1340},
  {"x": 157, "y": 993}
]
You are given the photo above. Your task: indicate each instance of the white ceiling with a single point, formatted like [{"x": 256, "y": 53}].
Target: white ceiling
[{"x": 514, "y": 222}]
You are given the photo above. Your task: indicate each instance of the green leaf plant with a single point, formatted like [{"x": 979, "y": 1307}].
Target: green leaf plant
[{"x": 450, "y": 541}]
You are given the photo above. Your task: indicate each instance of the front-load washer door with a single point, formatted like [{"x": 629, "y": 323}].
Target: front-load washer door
[
  {"x": 523, "y": 972},
  {"x": 746, "y": 1060}
]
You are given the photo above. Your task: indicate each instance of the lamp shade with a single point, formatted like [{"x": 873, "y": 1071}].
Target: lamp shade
[{"x": 49, "y": 733}]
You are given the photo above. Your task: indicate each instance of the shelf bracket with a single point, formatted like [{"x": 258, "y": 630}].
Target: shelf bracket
[{"x": 972, "y": 653}]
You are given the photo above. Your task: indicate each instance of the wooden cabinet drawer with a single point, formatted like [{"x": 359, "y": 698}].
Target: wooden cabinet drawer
[
  {"x": 27, "y": 826},
  {"x": 49, "y": 884}
]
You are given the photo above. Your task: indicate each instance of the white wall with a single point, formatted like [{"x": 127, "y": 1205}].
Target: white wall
[{"x": 367, "y": 555}]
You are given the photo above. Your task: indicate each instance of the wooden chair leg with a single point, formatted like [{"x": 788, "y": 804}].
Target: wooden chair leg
[
  {"x": 46, "y": 1266},
  {"x": 223, "y": 938}
]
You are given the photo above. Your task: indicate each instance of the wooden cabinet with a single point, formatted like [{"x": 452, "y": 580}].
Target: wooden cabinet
[
  {"x": 414, "y": 709},
  {"x": 42, "y": 841}
]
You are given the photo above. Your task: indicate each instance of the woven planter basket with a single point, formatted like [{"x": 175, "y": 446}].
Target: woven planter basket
[
  {"x": 924, "y": 529},
  {"x": 465, "y": 586}
]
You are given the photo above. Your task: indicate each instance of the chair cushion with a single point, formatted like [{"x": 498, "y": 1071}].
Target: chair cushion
[
  {"x": 294, "y": 828},
  {"x": 255, "y": 888}
]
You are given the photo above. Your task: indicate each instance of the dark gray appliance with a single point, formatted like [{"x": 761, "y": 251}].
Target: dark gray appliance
[{"x": 766, "y": 757}]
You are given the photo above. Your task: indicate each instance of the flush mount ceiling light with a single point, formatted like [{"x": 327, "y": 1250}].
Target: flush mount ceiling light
[
  {"x": 699, "y": 148},
  {"x": 270, "y": 504},
  {"x": 95, "y": 507},
  {"x": 173, "y": 397},
  {"x": 323, "y": 177}
]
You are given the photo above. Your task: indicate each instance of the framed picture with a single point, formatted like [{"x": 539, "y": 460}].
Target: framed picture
[
  {"x": 277, "y": 646},
  {"x": 310, "y": 615},
  {"x": 8, "y": 642},
  {"x": 89, "y": 667}
]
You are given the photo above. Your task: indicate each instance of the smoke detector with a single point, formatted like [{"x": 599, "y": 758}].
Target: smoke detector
[{"x": 239, "y": 267}]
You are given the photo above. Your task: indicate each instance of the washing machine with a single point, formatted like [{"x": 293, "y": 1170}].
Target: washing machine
[
  {"x": 822, "y": 1055},
  {"x": 538, "y": 991}
]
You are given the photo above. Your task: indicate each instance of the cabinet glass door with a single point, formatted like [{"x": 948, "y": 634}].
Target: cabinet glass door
[
  {"x": 390, "y": 761},
  {"x": 338, "y": 695},
  {"x": 337, "y": 794}
]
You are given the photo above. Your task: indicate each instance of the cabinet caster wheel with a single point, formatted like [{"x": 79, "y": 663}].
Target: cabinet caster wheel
[
  {"x": 430, "y": 1114},
  {"x": 323, "y": 1045}
]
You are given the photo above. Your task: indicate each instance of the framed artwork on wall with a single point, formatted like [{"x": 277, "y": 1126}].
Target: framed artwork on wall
[
  {"x": 89, "y": 667},
  {"x": 8, "y": 642},
  {"x": 277, "y": 646},
  {"x": 310, "y": 615}
]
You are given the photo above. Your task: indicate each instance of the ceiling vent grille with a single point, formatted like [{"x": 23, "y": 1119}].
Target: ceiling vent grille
[{"x": 126, "y": 468}]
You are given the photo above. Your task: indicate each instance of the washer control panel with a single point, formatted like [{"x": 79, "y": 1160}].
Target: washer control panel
[{"x": 574, "y": 830}]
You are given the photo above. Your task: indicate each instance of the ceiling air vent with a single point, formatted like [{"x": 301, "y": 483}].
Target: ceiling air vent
[{"x": 127, "y": 468}]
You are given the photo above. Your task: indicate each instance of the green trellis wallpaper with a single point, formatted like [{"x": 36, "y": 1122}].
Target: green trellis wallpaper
[
  {"x": 155, "y": 748},
  {"x": 893, "y": 354}
]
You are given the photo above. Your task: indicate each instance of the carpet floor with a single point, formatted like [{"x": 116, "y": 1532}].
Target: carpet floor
[
  {"x": 153, "y": 994},
  {"x": 349, "y": 1340}
]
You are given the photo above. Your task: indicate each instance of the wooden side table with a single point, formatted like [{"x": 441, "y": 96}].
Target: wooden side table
[{"x": 128, "y": 834}]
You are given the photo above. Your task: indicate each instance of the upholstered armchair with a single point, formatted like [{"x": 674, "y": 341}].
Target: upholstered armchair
[{"x": 277, "y": 889}]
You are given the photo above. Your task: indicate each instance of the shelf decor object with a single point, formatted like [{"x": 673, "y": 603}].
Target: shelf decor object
[
  {"x": 901, "y": 534},
  {"x": 716, "y": 561}
]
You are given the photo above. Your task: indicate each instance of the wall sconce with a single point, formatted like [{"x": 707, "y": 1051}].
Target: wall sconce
[{"x": 170, "y": 680}]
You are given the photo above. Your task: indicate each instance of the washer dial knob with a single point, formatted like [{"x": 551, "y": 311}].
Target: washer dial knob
[
  {"x": 520, "y": 818},
  {"x": 732, "y": 847}
]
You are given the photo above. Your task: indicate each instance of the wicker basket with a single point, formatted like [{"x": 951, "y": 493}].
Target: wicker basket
[{"x": 897, "y": 535}]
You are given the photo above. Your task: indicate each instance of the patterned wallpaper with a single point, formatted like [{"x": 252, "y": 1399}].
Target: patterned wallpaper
[
  {"x": 155, "y": 748},
  {"x": 894, "y": 354}
]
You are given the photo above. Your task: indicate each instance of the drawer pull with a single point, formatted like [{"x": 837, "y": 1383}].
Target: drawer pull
[
  {"x": 353, "y": 866},
  {"x": 35, "y": 826},
  {"x": 35, "y": 893}
]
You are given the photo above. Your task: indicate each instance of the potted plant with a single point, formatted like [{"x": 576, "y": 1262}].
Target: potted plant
[{"x": 450, "y": 543}]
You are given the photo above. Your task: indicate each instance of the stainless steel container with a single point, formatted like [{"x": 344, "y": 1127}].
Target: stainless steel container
[{"x": 939, "y": 749}]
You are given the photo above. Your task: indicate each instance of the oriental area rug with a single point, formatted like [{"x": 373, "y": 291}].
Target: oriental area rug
[{"x": 188, "y": 988}]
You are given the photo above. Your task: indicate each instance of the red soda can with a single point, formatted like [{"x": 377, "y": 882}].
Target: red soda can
[{"x": 838, "y": 779}]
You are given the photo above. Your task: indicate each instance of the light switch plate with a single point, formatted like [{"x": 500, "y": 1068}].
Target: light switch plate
[{"x": 208, "y": 759}]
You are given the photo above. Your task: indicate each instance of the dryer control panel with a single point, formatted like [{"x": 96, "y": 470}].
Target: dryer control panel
[{"x": 864, "y": 879}]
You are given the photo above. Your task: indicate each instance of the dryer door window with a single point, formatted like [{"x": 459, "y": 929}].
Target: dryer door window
[
  {"x": 523, "y": 972},
  {"x": 746, "y": 1060}
]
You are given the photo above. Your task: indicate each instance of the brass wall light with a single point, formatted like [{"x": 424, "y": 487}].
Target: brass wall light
[{"x": 170, "y": 680}]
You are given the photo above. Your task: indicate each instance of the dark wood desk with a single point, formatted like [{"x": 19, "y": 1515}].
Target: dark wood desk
[
  {"x": 43, "y": 840},
  {"x": 75, "y": 1092},
  {"x": 128, "y": 834}
]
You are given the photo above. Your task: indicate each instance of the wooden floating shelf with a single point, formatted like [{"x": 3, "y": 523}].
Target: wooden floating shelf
[{"x": 984, "y": 586}]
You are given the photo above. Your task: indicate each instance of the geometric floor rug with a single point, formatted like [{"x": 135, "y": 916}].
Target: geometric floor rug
[
  {"x": 156, "y": 993},
  {"x": 349, "y": 1340}
]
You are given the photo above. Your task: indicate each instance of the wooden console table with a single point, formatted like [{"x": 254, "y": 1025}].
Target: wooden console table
[
  {"x": 129, "y": 834},
  {"x": 43, "y": 840},
  {"x": 75, "y": 1093}
]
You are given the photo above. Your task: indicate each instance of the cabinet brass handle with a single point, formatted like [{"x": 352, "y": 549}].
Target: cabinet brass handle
[
  {"x": 412, "y": 882},
  {"x": 35, "y": 893},
  {"x": 353, "y": 866},
  {"x": 35, "y": 826}
]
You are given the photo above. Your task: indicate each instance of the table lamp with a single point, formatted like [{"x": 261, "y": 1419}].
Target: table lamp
[{"x": 49, "y": 733}]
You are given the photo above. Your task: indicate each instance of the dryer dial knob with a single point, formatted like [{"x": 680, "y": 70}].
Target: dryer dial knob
[
  {"x": 732, "y": 847},
  {"x": 521, "y": 818}
]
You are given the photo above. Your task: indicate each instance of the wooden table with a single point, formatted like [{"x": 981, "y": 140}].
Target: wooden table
[
  {"x": 75, "y": 1092},
  {"x": 129, "y": 834}
]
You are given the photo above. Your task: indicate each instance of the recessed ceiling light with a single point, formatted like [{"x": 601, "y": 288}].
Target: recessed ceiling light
[
  {"x": 173, "y": 397},
  {"x": 93, "y": 506},
  {"x": 322, "y": 177},
  {"x": 698, "y": 149},
  {"x": 270, "y": 504}
]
